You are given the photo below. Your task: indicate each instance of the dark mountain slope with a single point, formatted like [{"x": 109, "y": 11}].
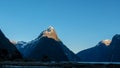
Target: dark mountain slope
[
  {"x": 47, "y": 47},
  {"x": 8, "y": 51}
]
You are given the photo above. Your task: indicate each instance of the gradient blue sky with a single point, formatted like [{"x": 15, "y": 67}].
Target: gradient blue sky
[{"x": 80, "y": 24}]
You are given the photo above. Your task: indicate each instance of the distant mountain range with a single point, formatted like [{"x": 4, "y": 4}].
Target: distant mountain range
[
  {"x": 48, "y": 47},
  {"x": 104, "y": 51}
]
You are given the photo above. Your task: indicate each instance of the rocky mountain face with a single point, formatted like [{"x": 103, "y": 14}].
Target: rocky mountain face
[
  {"x": 46, "y": 47},
  {"x": 8, "y": 51}
]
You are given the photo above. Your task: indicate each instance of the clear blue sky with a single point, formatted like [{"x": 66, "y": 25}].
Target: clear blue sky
[{"x": 80, "y": 24}]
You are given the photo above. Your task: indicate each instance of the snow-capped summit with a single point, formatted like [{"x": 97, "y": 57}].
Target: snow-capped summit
[
  {"x": 105, "y": 51},
  {"x": 106, "y": 42},
  {"x": 99, "y": 53},
  {"x": 47, "y": 47},
  {"x": 50, "y": 33},
  {"x": 50, "y": 27}
]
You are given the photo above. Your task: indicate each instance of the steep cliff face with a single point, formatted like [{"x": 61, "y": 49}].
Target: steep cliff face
[
  {"x": 8, "y": 51},
  {"x": 115, "y": 48}
]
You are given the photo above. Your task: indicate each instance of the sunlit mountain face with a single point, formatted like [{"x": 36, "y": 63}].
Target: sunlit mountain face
[
  {"x": 106, "y": 42},
  {"x": 46, "y": 47},
  {"x": 104, "y": 51},
  {"x": 8, "y": 51}
]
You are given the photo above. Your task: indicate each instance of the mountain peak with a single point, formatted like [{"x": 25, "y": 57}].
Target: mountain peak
[
  {"x": 50, "y": 33},
  {"x": 50, "y": 27},
  {"x": 116, "y": 37},
  {"x": 105, "y": 42}
]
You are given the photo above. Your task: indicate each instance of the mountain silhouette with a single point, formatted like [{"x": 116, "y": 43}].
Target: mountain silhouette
[
  {"x": 8, "y": 51},
  {"x": 115, "y": 48},
  {"x": 46, "y": 47},
  {"x": 104, "y": 51}
]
